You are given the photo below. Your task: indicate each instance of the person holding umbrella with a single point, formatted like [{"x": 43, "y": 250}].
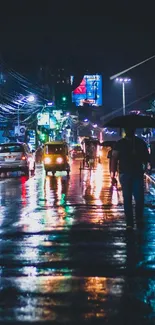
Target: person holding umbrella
[{"x": 132, "y": 156}]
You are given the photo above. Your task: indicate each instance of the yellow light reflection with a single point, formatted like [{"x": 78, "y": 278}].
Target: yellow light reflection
[
  {"x": 48, "y": 284},
  {"x": 94, "y": 184},
  {"x": 95, "y": 286},
  {"x": 114, "y": 196},
  {"x": 47, "y": 189},
  {"x": 98, "y": 182},
  {"x": 98, "y": 289},
  {"x": 59, "y": 188}
]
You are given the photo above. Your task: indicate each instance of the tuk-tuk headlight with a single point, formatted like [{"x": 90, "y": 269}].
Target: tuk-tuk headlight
[
  {"x": 59, "y": 160},
  {"x": 47, "y": 160}
]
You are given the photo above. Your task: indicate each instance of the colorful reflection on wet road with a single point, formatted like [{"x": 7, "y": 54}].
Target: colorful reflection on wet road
[{"x": 65, "y": 256}]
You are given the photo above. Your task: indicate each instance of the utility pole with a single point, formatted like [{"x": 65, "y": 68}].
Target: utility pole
[
  {"x": 123, "y": 94},
  {"x": 123, "y": 81}
]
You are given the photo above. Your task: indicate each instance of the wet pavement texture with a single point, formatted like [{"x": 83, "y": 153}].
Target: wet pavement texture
[{"x": 65, "y": 254}]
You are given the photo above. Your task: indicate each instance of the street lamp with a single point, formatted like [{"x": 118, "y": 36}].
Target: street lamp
[
  {"x": 123, "y": 81},
  {"x": 28, "y": 99}
]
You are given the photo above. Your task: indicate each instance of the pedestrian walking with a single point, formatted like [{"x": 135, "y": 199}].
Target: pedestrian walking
[
  {"x": 39, "y": 153},
  {"x": 131, "y": 156},
  {"x": 90, "y": 153},
  {"x": 112, "y": 172}
]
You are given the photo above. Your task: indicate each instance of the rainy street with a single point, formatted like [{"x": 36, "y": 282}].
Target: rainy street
[{"x": 65, "y": 254}]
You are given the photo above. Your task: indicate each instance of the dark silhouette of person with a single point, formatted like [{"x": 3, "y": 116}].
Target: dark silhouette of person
[
  {"x": 111, "y": 168},
  {"x": 131, "y": 156}
]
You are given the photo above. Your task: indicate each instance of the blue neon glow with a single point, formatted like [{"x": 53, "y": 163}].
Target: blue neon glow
[{"x": 89, "y": 91}]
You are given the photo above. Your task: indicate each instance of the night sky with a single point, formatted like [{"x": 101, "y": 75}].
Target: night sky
[{"x": 32, "y": 35}]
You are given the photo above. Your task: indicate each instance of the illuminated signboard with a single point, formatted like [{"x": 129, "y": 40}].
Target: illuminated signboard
[
  {"x": 89, "y": 91},
  {"x": 53, "y": 122},
  {"x": 58, "y": 114},
  {"x": 43, "y": 119},
  {"x": 32, "y": 139}
]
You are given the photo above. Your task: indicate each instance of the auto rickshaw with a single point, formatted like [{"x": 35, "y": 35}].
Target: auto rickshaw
[
  {"x": 86, "y": 144},
  {"x": 55, "y": 157}
]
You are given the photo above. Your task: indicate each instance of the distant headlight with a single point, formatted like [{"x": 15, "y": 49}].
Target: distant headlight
[
  {"x": 47, "y": 160},
  {"x": 59, "y": 160}
]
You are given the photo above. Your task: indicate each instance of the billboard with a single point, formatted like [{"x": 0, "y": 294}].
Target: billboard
[{"x": 89, "y": 91}]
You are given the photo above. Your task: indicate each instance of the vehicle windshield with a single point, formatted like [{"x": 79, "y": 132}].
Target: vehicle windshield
[
  {"x": 77, "y": 148},
  {"x": 10, "y": 148},
  {"x": 55, "y": 149}
]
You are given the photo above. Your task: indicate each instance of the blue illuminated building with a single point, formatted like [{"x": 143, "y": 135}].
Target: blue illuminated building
[{"x": 89, "y": 91}]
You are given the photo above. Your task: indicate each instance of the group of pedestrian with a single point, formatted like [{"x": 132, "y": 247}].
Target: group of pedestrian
[{"x": 129, "y": 157}]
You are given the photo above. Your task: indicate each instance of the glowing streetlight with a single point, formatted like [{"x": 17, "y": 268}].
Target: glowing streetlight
[
  {"x": 123, "y": 81},
  {"x": 30, "y": 99},
  {"x": 27, "y": 99}
]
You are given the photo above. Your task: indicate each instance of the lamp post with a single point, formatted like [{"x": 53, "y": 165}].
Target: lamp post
[
  {"x": 28, "y": 99},
  {"x": 123, "y": 81}
]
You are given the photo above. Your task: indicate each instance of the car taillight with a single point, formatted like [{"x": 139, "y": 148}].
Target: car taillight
[{"x": 23, "y": 158}]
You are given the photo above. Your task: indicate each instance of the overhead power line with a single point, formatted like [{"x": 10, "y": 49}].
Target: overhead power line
[{"x": 18, "y": 87}]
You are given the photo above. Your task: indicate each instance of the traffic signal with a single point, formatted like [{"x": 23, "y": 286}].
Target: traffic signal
[
  {"x": 64, "y": 98},
  {"x": 43, "y": 137}
]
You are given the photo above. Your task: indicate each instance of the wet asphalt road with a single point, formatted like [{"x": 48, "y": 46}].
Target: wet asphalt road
[{"x": 65, "y": 255}]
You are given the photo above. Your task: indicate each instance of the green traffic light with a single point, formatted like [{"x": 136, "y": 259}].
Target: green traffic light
[
  {"x": 64, "y": 98},
  {"x": 43, "y": 136}
]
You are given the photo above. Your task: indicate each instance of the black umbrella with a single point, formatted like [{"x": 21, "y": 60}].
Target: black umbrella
[
  {"x": 108, "y": 143},
  {"x": 132, "y": 121}
]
